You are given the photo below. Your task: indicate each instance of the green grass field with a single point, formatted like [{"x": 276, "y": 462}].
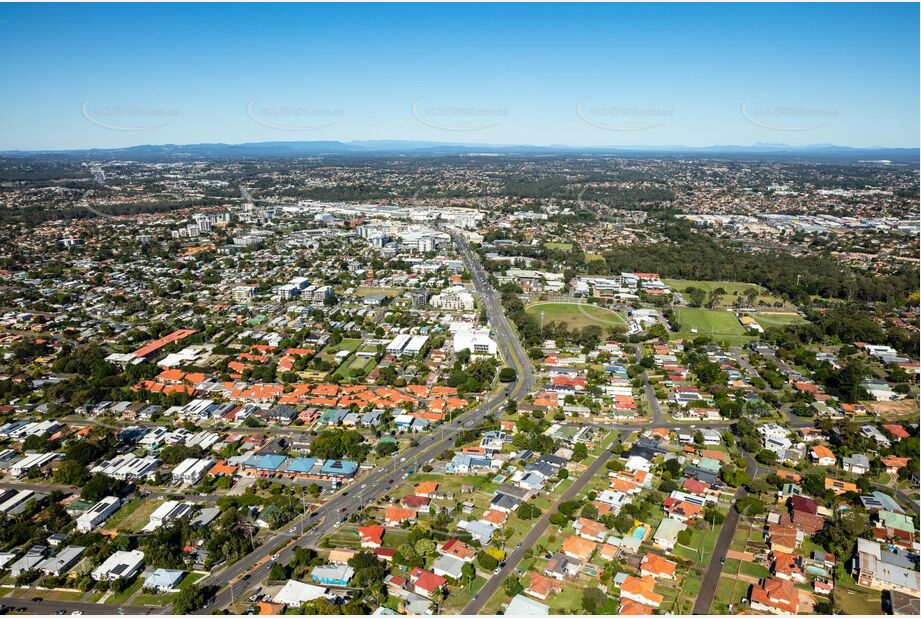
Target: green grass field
[
  {"x": 577, "y": 315},
  {"x": 774, "y": 320},
  {"x": 733, "y": 289},
  {"x": 355, "y": 362},
  {"x": 721, "y": 325},
  {"x": 558, "y": 246},
  {"x": 329, "y": 352}
]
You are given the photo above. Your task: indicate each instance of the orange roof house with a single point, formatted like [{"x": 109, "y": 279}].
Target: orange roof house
[
  {"x": 579, "y": 548},
  {"x": 494, "y": 517},
  {"x": 394, "y": 515},
  {"x": 371, "y": 536},
  {"x": 654, "y": 565},
  {"x": 775, "y": 595},
  {"x": 608, "y": 551},
  {"x": 590, "y": 529},
  {"x": 222, "y": 468},
  {"x": 632, "y": 608},
  {"x": 640, "y": 590},
  {"x": 789, "y": 566},
  {"x": 426, "y": 488},
  {"x": 894, "y": 464},
  {"x": 458, "y": 549},
  {"x": 822, "y": 455},
  {"x": 840, "y": 487},
  {"x": 542, "y": 586}
]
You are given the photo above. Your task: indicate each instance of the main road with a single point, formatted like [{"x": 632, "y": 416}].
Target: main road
[{"x": 242, "y": 576}]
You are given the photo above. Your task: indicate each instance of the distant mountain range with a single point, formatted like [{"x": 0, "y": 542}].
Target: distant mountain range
[{"x": 421, "y": 148}]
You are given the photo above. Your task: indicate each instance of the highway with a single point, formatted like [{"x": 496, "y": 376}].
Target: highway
[{"x": 240, "y": 578}]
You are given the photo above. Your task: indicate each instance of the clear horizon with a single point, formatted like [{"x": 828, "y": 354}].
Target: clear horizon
[{"x": 582, "y": 76}]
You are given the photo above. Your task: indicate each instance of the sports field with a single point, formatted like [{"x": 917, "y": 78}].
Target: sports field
[
  {"x": 733, "y": 289},
  {"x": 774, "y": 320},
  {"x": 577, "y": 315},
  {"x": 716, "y": 323}
]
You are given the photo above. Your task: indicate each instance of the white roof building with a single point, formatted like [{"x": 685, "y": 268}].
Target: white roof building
[
  {"x": 98, "y": 513},
  {"x": 295, "y": 593},
  {"x": 121, "y": 564}
]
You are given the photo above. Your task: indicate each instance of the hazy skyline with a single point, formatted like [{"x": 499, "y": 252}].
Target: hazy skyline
[{"x": 84, "y": 76}]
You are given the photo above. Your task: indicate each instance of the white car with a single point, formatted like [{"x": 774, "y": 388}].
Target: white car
[
  {"x": 337, "y": 524},
  {"x": 275, "y": 557}
]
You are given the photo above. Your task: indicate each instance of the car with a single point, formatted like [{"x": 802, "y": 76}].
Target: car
[
  {"x": 314, "y": 514},
  {"x": 343, "y": 510},
  {"x": 22, "y": 609},
  {"x": 722, "y": 560},
  {"x": 37, "y": 599},
  {"x": 365, "y": 485},
  {"x": 77, "y": 613},
  {"x": 345, "y": 493},
  {"x": 337, "y": 524},
  {"x": 245, "y": 577},
  {"x": 518, "y": 546},
  {"x": 496, "y": 570},
  {"x": 548, "y": 556},
  {"x": 390, "y": 481},
  {"x": 60, "y": 612},
  {"x": 292, "y": 529},
  {"x": 275, "y": 557}
]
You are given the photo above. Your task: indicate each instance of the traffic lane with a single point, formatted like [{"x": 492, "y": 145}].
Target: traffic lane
[{"x": 49, "y": 607}]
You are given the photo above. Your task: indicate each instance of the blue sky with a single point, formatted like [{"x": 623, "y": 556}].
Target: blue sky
[{"x": 109, "y": 75}]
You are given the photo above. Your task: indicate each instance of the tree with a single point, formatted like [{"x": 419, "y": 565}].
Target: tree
[
  {"x": 750, "y": 506},
  {"x": 507, "y": 374},
  {"x": 579, "y": 451},
  {"x": 425, "y": 547},
  {"x": 713, "y": 516},
  {"x": 486, "y": 561},
  {"x": 278, "y": 572},
  {"x": 71, "y": 473},
  {"x": 592, "y": 599},
  {"x": 513, "y": 586},
  {"x": 192, "y": 598},
  {"x": 385, "y": 448},
  {"x": 527, "y": 511},
  {"x": 99, "y": 487},
  {"x": 468, "y": 573}
]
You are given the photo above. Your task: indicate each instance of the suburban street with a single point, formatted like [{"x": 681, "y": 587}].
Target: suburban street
[
  {"x": 658, "y": 418},
  {"x": 724, "y": 540},
  {"x": 514, "y": 558}
]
